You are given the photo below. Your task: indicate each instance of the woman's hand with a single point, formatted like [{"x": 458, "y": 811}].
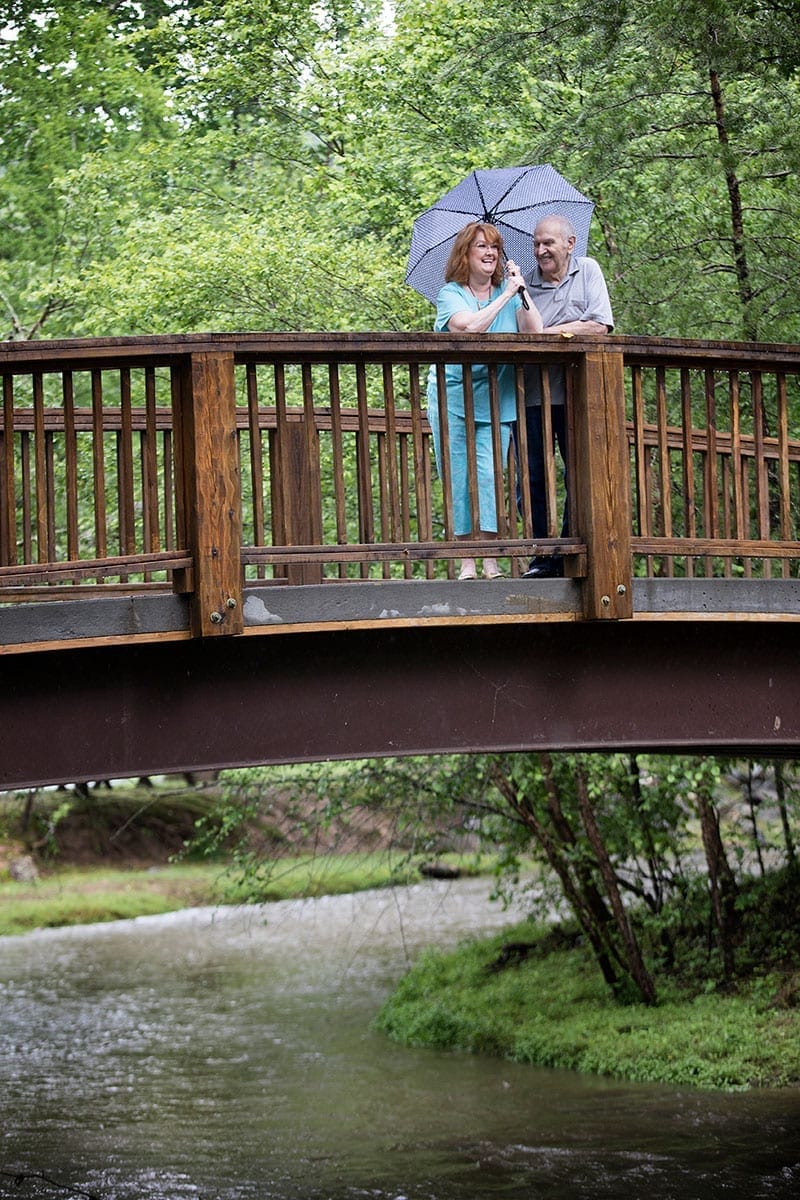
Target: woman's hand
[{"x": 514, "y": 279}]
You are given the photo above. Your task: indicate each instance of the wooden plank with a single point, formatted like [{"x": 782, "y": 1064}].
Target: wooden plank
[
  {"x": 717, "y": 547},
  {"x": 377, "y": 552},
  {"x": 121, "y": 565}
]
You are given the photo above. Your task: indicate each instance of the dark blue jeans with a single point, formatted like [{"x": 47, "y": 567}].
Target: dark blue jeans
[{"x": 533, "y": 425}]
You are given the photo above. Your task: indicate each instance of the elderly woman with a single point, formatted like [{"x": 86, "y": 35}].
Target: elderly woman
[{"x": 479, "y": 296}]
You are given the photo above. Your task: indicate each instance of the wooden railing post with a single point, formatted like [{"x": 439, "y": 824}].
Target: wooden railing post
[
  {"x": 600, "y": 491},
  {"x": 209, "y": 492}
]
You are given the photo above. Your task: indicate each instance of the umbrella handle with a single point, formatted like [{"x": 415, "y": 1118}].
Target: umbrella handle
[{"x": 520, "y": 291}]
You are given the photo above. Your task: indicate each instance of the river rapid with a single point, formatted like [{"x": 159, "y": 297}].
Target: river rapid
[{"x": 227, "y": 1054}]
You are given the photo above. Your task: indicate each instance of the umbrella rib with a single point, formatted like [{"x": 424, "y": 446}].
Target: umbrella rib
[
  {"x": 487, "y": 216},
  {"x": 507, "y": 192}
]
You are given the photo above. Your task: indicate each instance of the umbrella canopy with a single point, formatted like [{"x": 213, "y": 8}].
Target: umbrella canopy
[{"x": 513, "y": 199}]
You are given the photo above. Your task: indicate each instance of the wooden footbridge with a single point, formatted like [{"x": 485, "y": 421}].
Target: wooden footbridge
[{"x": 232, "y": 549}]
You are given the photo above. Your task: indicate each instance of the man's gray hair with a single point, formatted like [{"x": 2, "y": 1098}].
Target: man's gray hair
[{"x": 567, "y": 228}]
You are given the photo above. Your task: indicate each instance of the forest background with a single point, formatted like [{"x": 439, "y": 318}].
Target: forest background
[{"x": 170, "y": 166}]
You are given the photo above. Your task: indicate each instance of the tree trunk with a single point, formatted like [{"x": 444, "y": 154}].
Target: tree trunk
[
  {"x": 636, "y": 967},
  {"x": 780, "y": 790},
  {"x": 721, "y": 882},
  {"x": 558, "y": 861},
  {"x": 741, "y": 266}
]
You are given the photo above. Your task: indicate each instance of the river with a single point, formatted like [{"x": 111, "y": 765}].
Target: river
[{"x": 227, "y": 1055}]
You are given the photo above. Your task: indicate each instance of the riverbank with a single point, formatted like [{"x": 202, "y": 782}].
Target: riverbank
[
  {"x": 522, "y": 996},
  {"x": 90, "y": 895},
  {"x": 110, "y": 853}
]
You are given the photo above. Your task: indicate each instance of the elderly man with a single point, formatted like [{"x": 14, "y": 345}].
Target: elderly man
[{"x": 572, "y": 297}]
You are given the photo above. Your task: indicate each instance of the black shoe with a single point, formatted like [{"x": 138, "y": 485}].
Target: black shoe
[{"x": 545, "y": 567}]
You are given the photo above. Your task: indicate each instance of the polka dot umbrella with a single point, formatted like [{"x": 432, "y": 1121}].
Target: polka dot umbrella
[{"x": 513, "y": 199}]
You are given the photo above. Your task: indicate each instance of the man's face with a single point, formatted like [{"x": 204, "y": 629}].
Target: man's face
[{"x": 552, "y": 250}]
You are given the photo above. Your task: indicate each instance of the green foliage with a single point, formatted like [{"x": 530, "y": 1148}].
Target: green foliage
[
  {"x": 551, "y": 1010},
  {"x": 259, "y": 165}
]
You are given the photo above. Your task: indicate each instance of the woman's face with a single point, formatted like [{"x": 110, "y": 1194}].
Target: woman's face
[{"x": 482, "y": 256}]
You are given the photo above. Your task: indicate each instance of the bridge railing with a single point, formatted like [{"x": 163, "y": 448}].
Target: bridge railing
[
  {"x": 202, "y": 462},
  {"x": 714, "y": 430}
]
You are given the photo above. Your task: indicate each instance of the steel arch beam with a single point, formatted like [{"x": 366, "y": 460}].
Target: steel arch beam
[{"x": 124, "y": 711}]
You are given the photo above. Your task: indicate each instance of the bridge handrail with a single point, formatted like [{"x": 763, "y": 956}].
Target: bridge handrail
[{"x": 681, "y": 462}]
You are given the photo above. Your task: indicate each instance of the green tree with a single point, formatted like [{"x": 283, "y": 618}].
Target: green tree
[
  {"x": 633, "y": 847},
  {"x": 70, "y": 86}
]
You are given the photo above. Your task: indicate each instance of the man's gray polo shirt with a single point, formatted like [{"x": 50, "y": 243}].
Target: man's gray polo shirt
[{"x": 581, "y": 295}]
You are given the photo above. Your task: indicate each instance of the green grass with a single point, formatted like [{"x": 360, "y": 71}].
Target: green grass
[
  {"x": 78, "y": 896},
  {"x": 555, "y": 1011}
]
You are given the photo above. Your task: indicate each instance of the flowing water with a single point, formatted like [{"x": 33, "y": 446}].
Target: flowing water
[{"x": 228, "y": 1055}]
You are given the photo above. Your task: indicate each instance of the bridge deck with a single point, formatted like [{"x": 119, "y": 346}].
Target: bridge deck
[{"x": 124, "y": 619}]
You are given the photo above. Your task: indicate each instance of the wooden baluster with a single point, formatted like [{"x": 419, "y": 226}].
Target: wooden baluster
[
  {"x": 256, "y": 460},
  {"x": 761, "y": 469},
  {"x": 422, "y": 466},
  {"x": 445, "y": 471},
  {"x": 520, "y": 446},
  {"x": 366, "y": 517},
  {"x": 8, "y": 491},
  {"x": 99, "y": 468},
  {"x": 642, "y": 461},
  {"x": 71, "y": 466},
  {"x": 472, "y": 457},
  {"x": 711, "y": 505},
  {"x": 40, "y": 461},
  {"x": 688, "y": 475},
  {"x": 395, "y": 522},
  {"x": 498, "y": 460},
  {"x": 127, "y": 520},
  {"x": 307, "y": 486},
  {"x": 783, "y": 469},
  {"x": 148, "y": 448},
  {"x": 553, "y": 524},
  {"x": 337, "y": 448},
  {"x": 664, "y": 466}
]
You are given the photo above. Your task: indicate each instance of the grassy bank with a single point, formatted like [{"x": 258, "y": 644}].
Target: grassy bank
[
  {"x": 78, "y": 896},
  {"x": 552, "y": 1009}
]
